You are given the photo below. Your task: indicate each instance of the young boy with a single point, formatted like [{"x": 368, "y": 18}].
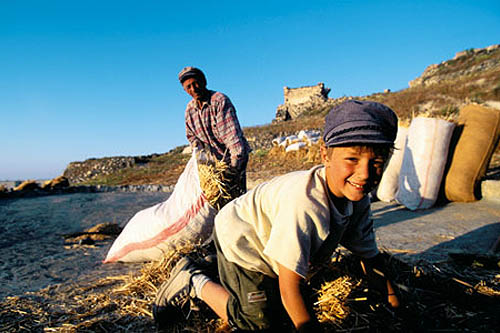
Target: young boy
[{"x": 267, "y": 238}]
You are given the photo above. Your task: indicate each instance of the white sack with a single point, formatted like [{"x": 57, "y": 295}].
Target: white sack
[
  {"x": 389, "y": 183},
  {"x": 295, "y": 146},
  {"x": 424, "y": 160},
  {"x": 186, "y": 216},
  {"x": 291, "y": 139},
  {"x": 307, "y": 135},
  {"x": 277, "y": 141},
  {"x": 314, "y": 140}
]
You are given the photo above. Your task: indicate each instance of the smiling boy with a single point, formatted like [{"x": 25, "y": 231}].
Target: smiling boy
[{"x": 267, "y": 239}]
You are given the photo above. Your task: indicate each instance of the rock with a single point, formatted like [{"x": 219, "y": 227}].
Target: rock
[
  {"x": 490, "y": 190},
  {"x": 91, "y": 168},
  {"x": 99, "y": 232},
  {"x": 86, "y": 241},
  {"x": 27, "y": 185},
  {"x": 493, "y": 104},
  {"x": 56, "y": 183},
  {"x": 106, "y": 228},
  {"x": 187, "y": 151}
]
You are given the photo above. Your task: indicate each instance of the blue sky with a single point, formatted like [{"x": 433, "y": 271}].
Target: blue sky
[{"x": 83, "y": 79}]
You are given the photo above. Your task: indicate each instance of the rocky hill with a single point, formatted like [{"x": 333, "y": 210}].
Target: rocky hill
[
  {"x": 471, "y": 76},
  {"x": 465, "y": 63},
  {"x": 78, "y": 172}
]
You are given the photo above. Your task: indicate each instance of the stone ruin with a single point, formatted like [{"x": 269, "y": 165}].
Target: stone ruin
[{"x": 300, "y": 100}]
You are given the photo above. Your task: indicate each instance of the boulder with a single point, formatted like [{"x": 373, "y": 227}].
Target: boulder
[
  {"x": 27, "y": 185},
  {"x": 56, "y": 183}
]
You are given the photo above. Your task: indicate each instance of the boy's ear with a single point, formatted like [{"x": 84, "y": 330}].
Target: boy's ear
[{"x": 324, "y": 154}]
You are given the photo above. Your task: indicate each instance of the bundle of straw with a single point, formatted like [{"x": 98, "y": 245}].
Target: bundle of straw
[
  {"x": 332, "y": 299},
  {"x": 213, "y": 182}
]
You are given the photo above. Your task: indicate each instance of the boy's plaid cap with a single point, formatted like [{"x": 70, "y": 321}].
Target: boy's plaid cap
[{"x": 360, "y": 122}]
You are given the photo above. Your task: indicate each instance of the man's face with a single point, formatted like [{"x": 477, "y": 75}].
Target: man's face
[
  {"x": 352, "y": 172},
  {"x": 195, "y": 88}
]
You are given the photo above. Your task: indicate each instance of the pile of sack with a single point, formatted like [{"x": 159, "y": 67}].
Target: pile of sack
[
  {"x": 304, "y": 139},
  {"x": 433, "y": 154}
]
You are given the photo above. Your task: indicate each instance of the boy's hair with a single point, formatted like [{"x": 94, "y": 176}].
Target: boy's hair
[
  {"x": 384, "y": 150},
  {"x": 359, "y": 123}
]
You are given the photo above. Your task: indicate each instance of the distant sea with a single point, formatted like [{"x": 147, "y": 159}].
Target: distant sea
[{"x": 33, "y": 254}]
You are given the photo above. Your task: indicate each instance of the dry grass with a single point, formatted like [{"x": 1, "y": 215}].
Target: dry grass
[
  {"x": 446, "y": 299},
  {"x": 113, "y": 304},
  {"x": 213, "y": 183},
  {"x": 332, "y": 303}
]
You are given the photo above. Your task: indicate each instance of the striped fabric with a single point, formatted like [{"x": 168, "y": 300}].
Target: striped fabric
[{"x": 216, "y": 127}]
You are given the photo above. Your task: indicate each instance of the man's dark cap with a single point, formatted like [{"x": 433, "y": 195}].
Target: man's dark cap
[
  {"x": 190, "y": 72},
  {"x": 360, "y": 122}
]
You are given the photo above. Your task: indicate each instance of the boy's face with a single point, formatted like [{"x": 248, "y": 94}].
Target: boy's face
[{"x": 352, "y": 172}]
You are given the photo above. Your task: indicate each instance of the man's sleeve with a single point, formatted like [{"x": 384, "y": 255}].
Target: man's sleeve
[
  {"x": 190, "y": 132},
  {"x": 229, "y": 132}
]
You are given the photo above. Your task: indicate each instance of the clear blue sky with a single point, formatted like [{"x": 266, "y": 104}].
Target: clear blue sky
[{"x": 82, "y": 79}]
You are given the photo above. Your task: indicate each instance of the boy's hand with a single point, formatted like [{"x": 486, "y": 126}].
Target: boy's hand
[
  {"x": 392, "y": 298},
  {"x": 293, "y": 300},
  {"x": 373, "y": 269},
  {"x": 310, "y": 327}
]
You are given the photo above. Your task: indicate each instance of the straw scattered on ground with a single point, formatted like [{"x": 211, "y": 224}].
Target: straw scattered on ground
[{"x": 448, "y": 297}]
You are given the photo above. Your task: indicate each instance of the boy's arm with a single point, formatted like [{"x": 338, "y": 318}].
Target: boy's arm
[
  {"x": 293, "y": 300},
  {"x": 375, "y": 268}
]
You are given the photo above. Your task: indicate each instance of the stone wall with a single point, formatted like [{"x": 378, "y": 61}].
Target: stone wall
[
  {"x": 295, "y": 96},
  {"x": 300, "y": 100}
]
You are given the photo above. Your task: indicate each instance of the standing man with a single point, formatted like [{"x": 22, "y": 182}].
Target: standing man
[{"x": 211, "y": 124}]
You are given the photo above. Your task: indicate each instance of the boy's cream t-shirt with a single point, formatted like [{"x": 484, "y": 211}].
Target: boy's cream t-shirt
[{"x": 287, "y": 220}]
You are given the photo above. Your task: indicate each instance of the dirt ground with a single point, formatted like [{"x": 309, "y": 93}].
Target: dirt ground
[{"x": 48, "y": 286}]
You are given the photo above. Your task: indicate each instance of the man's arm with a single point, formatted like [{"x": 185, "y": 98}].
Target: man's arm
[
  {"x": 229, "y": 132},
  {"x": 194, "y": 142},
  {"x": 293, "y": 300}
]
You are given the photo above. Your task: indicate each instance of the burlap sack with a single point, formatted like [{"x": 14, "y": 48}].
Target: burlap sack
[{"x": 480, "y": 131}]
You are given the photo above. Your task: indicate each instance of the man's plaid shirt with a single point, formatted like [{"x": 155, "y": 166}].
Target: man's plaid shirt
[{"x": 215, "y": 126}]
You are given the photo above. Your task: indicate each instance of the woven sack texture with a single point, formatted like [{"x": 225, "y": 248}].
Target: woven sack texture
[{"x": 478, "y": 131}]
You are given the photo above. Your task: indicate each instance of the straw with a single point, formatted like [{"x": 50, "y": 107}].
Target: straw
[{"x": 213, "y": 182}]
